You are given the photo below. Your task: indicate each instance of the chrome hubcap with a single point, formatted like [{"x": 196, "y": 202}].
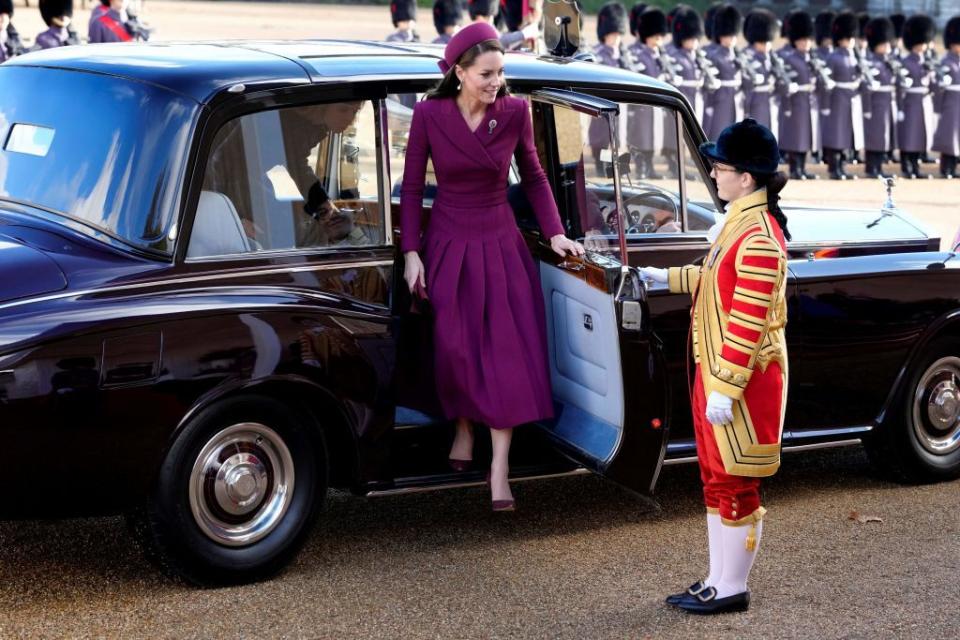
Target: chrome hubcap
[
  {"x": 241, "y": 484},
  {"x": 936, "y": 407}
]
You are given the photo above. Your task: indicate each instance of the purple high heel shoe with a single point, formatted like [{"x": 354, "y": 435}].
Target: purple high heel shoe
[{"x": 501, "y": 505}]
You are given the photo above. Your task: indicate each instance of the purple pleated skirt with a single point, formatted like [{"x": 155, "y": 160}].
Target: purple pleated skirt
[{"x": 490, "y": 345}]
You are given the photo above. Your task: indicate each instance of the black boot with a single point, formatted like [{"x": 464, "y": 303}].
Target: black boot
[
  {"x": 802, "y": 159},
  {"x": 793, "y": 160},
  {"x": 874, "y": 168},
  {"x": 842, "y": 170},
  {"x": 906, "y": 166},
  {"x": 816, "y": 157},
  {"x": 948, "y": 166},
  {"x": 915, "y": 163},
  {"x": 832, "y": 158}
]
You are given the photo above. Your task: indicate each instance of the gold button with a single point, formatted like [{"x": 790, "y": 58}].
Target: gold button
[
  {"x": 734, "y": 505},
  {"x": 733, "y": 513}
]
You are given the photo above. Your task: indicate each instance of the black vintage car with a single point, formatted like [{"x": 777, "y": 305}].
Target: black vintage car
[{"x": 182, "y": 342}]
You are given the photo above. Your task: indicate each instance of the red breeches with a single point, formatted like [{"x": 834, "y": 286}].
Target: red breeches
[{"x": 735, "y": 497}]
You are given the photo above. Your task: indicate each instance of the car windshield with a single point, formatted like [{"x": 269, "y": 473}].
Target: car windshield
[{"x": 107, "y": 152}]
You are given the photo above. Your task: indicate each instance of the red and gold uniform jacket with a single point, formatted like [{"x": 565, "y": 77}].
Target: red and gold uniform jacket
[{"x": 739, "y": 312}]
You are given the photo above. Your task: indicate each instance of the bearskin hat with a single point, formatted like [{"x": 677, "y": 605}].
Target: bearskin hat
[
  {"x": 612, "y": 18},
  {"x": 845, "y": 27},
  {"x": 6, "y": 6},
  {"x": 635, "y": 12},
  {"x": 799, "y": 26},
  {"x": 917, "y": 30},
  {"x": 760, "y": 25},
  {"x": 403, "y": 10},
  {"x": 878, "y": 31},
  {"x": 823, "y": 25},
  {"x": 446, "y": 13},
  {"x": 481, "y": 8},
  {"x": 898, "y": 19},
  {"x": 653, "y": 22},
  {"x": 862, "y": 19},
  {"x": 726, "y": 22},
  {"x": 672, "y": 14},
  {"x": 708, "y": 18},
  {"x": 50, "y": 9},
  {"x": 687, "y": 24},
  {"x": 951, "y": 33}
]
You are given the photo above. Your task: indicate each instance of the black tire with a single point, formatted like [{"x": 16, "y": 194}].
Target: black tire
[
  {"x": 919, "y": 442},
  {"x": 248, "y": 444}
]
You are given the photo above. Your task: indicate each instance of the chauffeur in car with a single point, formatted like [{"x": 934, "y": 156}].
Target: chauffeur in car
[{"x": 739, "y": 347}]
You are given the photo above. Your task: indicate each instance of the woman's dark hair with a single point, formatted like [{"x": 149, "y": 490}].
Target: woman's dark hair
[
  {"x": 774, "y": 183},
  {"x": 447, "y": 87}
]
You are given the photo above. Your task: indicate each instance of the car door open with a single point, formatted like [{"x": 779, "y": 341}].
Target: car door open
[{"x": 607, "y": 373}]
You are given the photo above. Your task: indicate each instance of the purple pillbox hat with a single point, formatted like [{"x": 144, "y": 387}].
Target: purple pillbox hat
[{"x": 467, "y": 37}]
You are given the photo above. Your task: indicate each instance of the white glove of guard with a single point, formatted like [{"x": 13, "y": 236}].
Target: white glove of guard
[
  {"x": 531, "y": 31},
  {"x": 719, "y": 408},
  {"x": 654, "y": 274},
  {"x": 901, "y": 116}
]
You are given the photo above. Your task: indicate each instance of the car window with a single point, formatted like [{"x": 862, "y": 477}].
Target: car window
[
  {"x": 647, "y": 162},
  {"x": 399, "y": 116},
  {"x": 698, "y": 187},
  {"x": 295, "y": 178}
]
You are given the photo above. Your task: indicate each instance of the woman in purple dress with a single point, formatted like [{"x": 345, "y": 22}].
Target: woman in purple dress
[{"x": 482, "y": 283}]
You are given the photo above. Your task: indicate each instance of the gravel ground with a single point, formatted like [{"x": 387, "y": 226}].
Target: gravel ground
[{"x": 581, "y": 558}]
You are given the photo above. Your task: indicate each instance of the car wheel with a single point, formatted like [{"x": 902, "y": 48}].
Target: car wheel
[
  {"x": 237, "y": 493},
  {"x": 921, "y": 441}
]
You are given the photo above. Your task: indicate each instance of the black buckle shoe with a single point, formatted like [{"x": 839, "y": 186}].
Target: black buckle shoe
[
  {"x": 707, "y": 603},
  {"x": 692, "y": 590}
]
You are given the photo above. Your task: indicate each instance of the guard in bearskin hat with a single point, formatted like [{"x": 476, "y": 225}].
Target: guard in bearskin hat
[
  {"x": 823, "y": 34},
  {"x": 57, "y": 14},
  {"x": 634, "y": 17},
  {"x": 708, "y": 16},
  {"x": 880, "y": 98},
  {"x": 842, "y": 106},
  {"x": 757, "y": 68},
  {"x": 946, "y": 139},
  {"x": 740, "y": 389},
  {"x": 521, "y": 18},
  {"x": 799, "y": 113},
  {"x": 612, "y": 52},
  {"x": 10, "y": 43},
  {"x": 447, "y": 16},
  {"x": 723, "y": 105},
  {"x": 690, "y": 66},
  {"x": 898, "y": 20},
  {"x": 915, "y": 121},
  {"x": 403, "y": 13},
  {"x": 645, "y": 125}
]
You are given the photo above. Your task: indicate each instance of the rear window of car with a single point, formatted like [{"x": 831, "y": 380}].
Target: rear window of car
[{"x": 100, "y": 150}]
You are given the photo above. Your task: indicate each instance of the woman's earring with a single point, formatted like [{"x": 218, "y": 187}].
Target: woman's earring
[{"x": 459, "y": 84}]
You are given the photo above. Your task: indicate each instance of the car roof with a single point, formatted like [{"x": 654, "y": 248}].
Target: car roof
[{"x": 201, "y": 70}]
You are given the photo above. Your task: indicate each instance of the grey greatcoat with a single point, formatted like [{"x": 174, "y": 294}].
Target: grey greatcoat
[
  {"x": 759, "y": 84},
  {"x": 723, "y": 106},
  {"x": 879, "y": 105},
  {"x": 799, "y": 113},
  {"x": 915, "y": 124},
  {"x": 598, "y": 135},
  {"x": 645, "y": 124},
  {"x": 687, "y": 76},
  {"x": 404, "y": 35},
  {"x": 843, "y": 108},
  {"x": 946, "y": 140}
]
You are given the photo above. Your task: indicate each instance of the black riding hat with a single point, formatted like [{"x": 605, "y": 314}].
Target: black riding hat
[{"x": 747, "y": 145}]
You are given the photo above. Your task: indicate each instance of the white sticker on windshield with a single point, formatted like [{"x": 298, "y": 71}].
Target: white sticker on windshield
[{"x": 30, "y": 139}]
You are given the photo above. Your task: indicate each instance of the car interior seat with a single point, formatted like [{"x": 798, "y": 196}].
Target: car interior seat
[{"x": 217, "y": 229}]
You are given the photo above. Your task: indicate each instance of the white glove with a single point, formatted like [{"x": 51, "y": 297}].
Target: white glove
[
  {"x": 867, "y": 115},
  {"x": 531, "y": 31},
  {"x": 654, "y": 274},
  {"x": 824, "y": 112},
  {"x": 901, "y": 116},
  {"x": 792, "y": 88},
  {"x": 719, "y": 408}
]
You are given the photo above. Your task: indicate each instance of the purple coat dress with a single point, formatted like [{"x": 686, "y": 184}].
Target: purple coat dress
[
  {"x": 879, "y": 105},
  {"x": 723, "y": 106},
  {"x": 915, "y": 127},
  {"x": 489, "y": 328},
  {"x": 843, "y": 106},
  {"x": 799, "y": 116},
  {"x": 946, "y": 140}
]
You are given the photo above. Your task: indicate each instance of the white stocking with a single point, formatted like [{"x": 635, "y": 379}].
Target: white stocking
[
  {"x": 737, "y": 560},
  {"x": 715, "y": 545}
]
